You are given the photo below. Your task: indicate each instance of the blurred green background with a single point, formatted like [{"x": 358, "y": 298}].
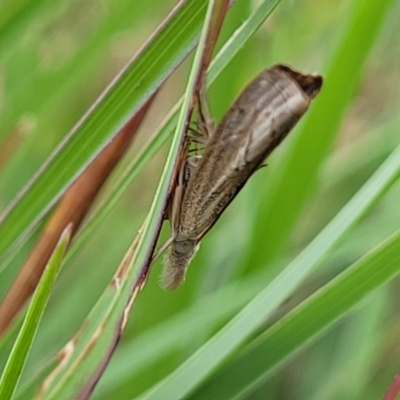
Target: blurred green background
[{"x": 57, "y": 57}]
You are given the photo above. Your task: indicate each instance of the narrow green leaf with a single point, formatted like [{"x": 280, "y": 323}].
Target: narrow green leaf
[
  {"x": 304, "y": 323},
  {"x": 20, "y": 351},
  {"x": 362, "y": 338},
  {"x": 153, "y": 345},
  {"x": 314, "y": 140}
]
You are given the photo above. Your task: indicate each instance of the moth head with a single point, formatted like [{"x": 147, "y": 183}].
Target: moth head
[
  {"x": 183, "y": 246},
  {"x": 310, "y": 84}
]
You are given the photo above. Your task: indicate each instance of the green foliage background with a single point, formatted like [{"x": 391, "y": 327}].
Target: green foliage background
[{"x": 56, "y": 58}]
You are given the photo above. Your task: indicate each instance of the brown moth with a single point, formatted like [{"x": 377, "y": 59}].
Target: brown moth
[{"x": 261, "y": 117}]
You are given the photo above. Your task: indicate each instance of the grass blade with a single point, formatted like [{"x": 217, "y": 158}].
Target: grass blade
[
  {"x": 307, "y": 321},
  {"x": 313, "y": 142},
  {"x": 15, "y": 364},
  {"x": 198, "y": 367}
]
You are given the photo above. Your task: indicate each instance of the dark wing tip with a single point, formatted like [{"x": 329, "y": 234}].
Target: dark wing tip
[{"x": 310, "y": 84}]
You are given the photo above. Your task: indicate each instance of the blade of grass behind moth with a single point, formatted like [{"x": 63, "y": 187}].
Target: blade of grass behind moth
[
  {"x": 353, "y": 355},
  {"x": 310, "y": 146},
  {"x": 72, "y": 208},
  {"x": 198, "y": 367},
  {"x": 214, "y": 19},
  {"x": 91, "y": 347},
  {"x": 125, "y": 95},
  {"x": 86, "y": 356},
  {"x": 222, "y": 59},
  {"x": 305, "y": 323},
  {"x": 217, "y": 17},
  {"x": 168, "y": 337},
  {"x": 19, "y": 354}
]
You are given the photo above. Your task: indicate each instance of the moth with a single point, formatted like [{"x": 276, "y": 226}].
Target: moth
[{"x": 258, "y": 121}]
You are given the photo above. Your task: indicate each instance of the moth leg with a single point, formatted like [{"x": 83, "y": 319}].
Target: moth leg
[
  {"x": 206, "y": 124},
  {"x": 161, "y": 250},
  {"x": 190, "y": 166},
  {"x": 174, "y": 204},
  {"x": 198, "y": 136},
  {"x": 262, "y": 165},
  {"x": 176, "y": 190}
]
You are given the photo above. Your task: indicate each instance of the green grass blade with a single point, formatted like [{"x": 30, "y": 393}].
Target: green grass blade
[
  {"x": 198, "y": 367},
  {"x": 126, "y": 95},
  {"x": 167, "y": 337},
  {"x": 305, "y": 322},
  {"x": 19, "y": 354},
  {"x": 316, "y": 135},
  {"x": 354, "y": 356},
  {"x": 103, "y": 326}
]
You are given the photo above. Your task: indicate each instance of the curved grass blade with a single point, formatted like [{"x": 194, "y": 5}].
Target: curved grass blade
[
  {"x": 127, "y": 93},
  {"x": 153, "y": 345},
  {"x": 15, "y": 364},
  {"x": 315, "y": 137},
  {"x": 353, "y": 356},
  {"x": 200, "y": 366},
  {"x": 306, "y": 322}
]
